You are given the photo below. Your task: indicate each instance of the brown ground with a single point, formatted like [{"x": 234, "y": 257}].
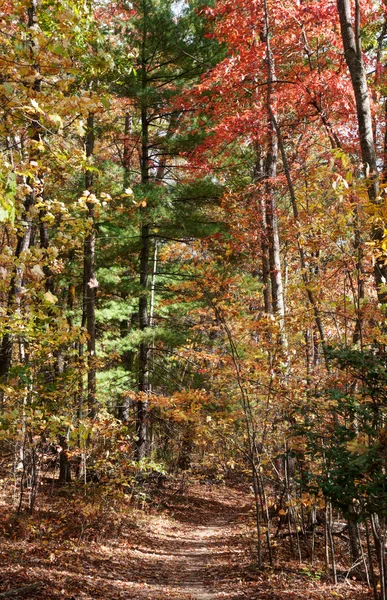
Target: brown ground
[{"x": 192, "y": 546}]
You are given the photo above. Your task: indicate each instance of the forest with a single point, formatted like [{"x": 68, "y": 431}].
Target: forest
[{"x": 193, "y": 298}]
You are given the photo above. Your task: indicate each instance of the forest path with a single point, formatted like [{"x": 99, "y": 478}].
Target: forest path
[
  {"x": 191, "y": 544},
  {"x": 192, "y": 549}
]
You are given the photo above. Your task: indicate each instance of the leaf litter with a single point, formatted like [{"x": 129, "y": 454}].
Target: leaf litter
[{"x": 191, "y": 544}]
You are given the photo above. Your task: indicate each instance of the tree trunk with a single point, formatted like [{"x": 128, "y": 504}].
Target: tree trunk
[
  {"x": 89, "y": 280},
  {"x": 277, "y": 290},
  {"x": 352, "y": 49},
  {"x": 143, "y": 367},
  {"x": 24, "y": 236},
  {"x": 265, "y": 261},
  {"x": 128, "y": 150},
  {"x": 64, "y": 465},
  {"x": 350, "y": 34},
  {"x": 378, "y": 532},
  {"x": 143, "y": 355}
]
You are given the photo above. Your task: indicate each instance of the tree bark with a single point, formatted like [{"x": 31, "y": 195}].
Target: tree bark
[
  {"x": 350, "y": 34},
  {"x": 352, "y": 49},
  {"x": 301, "y": 252},
  {"x": 89, "y": 280},
  {"x": 64, "y": 465},
  {"x": 128, "y": 150},
  {"x": 143, "y": 355},
  {"x": 143, "y": 366},
  {"x": 25, "y": 234},
  {"x": 259, "y": 175},
  {"x": 270, "y": 170}
]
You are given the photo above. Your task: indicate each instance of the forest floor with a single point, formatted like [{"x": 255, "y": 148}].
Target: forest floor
[{"x": 191, "y": 544}]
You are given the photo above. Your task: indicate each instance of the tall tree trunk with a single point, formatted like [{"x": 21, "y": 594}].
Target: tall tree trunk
[
  {"x": 259, "y": 176},
  {"x": 123, "y": 411},
  {"x": 303, "y": 262},
  {"x": 265, "y": 262},
  {"x": 145, "y": 249},
  {"x": 36, "y": 183},
  {"x": 143, "y": 358},
  {"x": 277, "y": 289},
  {"x": 128, "y": 150},
  {"x": 277, "y": 294},
  {"x": 350, "y": 34},
  {"x": 146, "y": 353},
  {"x": 89, "y": 280}
]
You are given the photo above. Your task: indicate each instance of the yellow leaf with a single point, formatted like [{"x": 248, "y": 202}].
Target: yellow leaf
[
  {"x": 37, "y": 272},
  {"x": 49, "y": 297},
  {"x": 36, "y": 106},
  {"x": 80, "y": 128}
]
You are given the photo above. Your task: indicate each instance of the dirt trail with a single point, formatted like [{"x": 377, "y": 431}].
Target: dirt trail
[
  {"x": 194, "y": 545},
  {"x": 192, "y": 553},
  {"x": 188, "y": 548}
]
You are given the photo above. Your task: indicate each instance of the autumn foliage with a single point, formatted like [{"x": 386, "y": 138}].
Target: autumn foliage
[{"x": 193, "y": 259}]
